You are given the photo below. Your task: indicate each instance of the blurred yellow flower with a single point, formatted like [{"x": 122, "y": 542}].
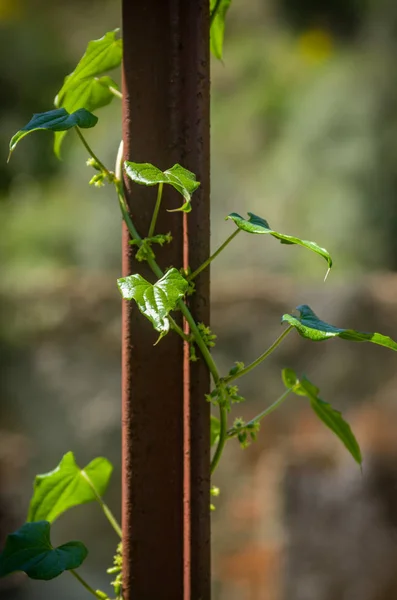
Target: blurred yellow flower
[
  {"x": 10, "y": 10},
  {"x": 315, "y": 45}
]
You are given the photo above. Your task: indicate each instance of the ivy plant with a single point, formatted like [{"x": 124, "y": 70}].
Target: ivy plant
[{"x": 84, "y": 91}]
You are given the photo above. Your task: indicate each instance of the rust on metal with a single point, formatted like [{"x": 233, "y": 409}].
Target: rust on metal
[{"x": 166, "y": 531}]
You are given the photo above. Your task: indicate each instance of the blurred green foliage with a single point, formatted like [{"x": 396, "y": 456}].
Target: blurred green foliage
[{"x": 303, "y": 120}]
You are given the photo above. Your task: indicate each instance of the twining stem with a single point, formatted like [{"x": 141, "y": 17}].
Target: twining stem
[
  {"x": 211, "y": 258},
  {"x": 222, "y": 438},
  {"x": 115, "y": 92},
  {"x": 91, "y": 152},
  {"x": 261, "y": 358},
  {"x": 86, "y": 585},
  {"x": 156, "y": 210},
  {"x": 181, "y": 305},
  {"x": 108, "y": 513},
  {"x": 233, "y": 432}
]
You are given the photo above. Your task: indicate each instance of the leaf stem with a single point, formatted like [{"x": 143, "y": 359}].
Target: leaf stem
[
  {"x": 222, "y": 438},
  {"x": 211, "y": 258},
  {"x": 86, "y": 585},
  {"x": 260, "y": 359},
  {"x": 233, "y": 432},
  {"x": 108, "y": 513},
  {"x": 156, "y": 210},
  {"x": 91, "y": 152},
  {"x": 178, "y": 329},
  {"x": 115, "y": 92}
]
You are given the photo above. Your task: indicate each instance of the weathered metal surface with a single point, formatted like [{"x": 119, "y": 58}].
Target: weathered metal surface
[{"x": 165, "y": 417}]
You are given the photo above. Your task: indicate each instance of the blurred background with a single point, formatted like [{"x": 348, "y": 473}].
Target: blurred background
[{"x": 304, "y": 133}]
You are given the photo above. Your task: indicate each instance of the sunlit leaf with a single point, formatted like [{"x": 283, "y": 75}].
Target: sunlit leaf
[
  {"x": 54, "y": 120},
  {"x": 310, "y": 326},
  {"x": 68, "y": 486},
  {"x": 329, "y": 416},
  {"x": 155, "y": 301},
  {"x": 29, "y": 549},
  {"x": 88, "y": 87},
  {"x": 258, "y": 225},
  {"x": 181, "y": 179},
  {"x": 218, "y": 10}
]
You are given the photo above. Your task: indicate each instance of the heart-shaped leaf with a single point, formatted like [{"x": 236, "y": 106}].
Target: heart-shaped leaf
[
  {"x": 29, "y": 549},
  {"x": 215, "y": 430},
  {"x": 218, "y": 9},
  {"x": 68, "y": 486},
  {"x": 310, "y": 326},
  {"x": 258, "y": 225},
  {"x": 54, "y": 120},
  {"x": 155, "y": 301},
  {"x": 181, "y": 179},
  {"x": 84, "y": 88},
  {"x": 329, "y": 416}
]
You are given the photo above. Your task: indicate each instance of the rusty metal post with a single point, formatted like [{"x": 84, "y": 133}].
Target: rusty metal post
[{"x": 166, "y": 531}]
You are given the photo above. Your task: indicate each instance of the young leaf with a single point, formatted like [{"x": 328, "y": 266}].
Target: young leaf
[
  {"x": 55, "y": 120},
  {"x": 84, "y": 88},
  {"x": 155, "y": 301},
  {"x": 218, "y": 9},
  {"x": 68, "y": 486},
  {"x": 311, "y": 327},
  {"x": 29, "y": 549},
  {"x": 329, "y": 416},
  {"x": 181, "y": 179},
  {"x": 258, "y": 225},
  {"x": 215, "y": 430}
]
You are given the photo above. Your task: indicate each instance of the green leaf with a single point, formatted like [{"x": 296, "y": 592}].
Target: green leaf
[
  {"x": 181, "y": 179},
  {"x": 85, "y": 87},
  {"x": 215, "y": 430},
  {"x": 54, "y": 120},
  {"x": 218, "y": 9},
  {"x": 68, "y": 486},
  {"x": 329, "y": 416},
  {"x": 29, "y": 549},
  {"x": 311, "y": 327},
  {"x": 258, "y": 225},
  {"x": 155, "y": 301}
]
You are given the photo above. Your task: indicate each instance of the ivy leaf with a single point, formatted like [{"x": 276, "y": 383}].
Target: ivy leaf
[
  {"x": 310, "y": 326},
  {"x": 54, "y": 120},
  {"x": 85, "y": 87},
  {"x": 29, "y": 549},
  {"x": 215, "y": 430},
  {"x": 155, "y": 301},
  {"x": 181, "y": 179},
  {"x": 329, "y": 416},
  {"x": 258, "y": 225},
  {"x": 67, "y": 486},
  {"x": 218, "y": 10}
]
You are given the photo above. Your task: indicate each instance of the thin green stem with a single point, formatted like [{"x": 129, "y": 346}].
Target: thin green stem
[
  {"x": 260, "y": 359},
  {"x": 91, "y": 152},
  {"x": 86, "y": 585},
  {"x": 108, "y": 513},
  {"x": 156, "y": 211},
  {"x": 178, "y": 329},
  {"x": 115, "y": 92},
  {"x": 222, "y": 438},
  {"x": 211, "y": 258},
  {"x": 215, "y": 12},
  {"x": 233, "y": 432}
]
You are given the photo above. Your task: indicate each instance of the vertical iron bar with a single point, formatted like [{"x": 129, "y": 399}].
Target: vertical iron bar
[{"x": 166, "y": 532}]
